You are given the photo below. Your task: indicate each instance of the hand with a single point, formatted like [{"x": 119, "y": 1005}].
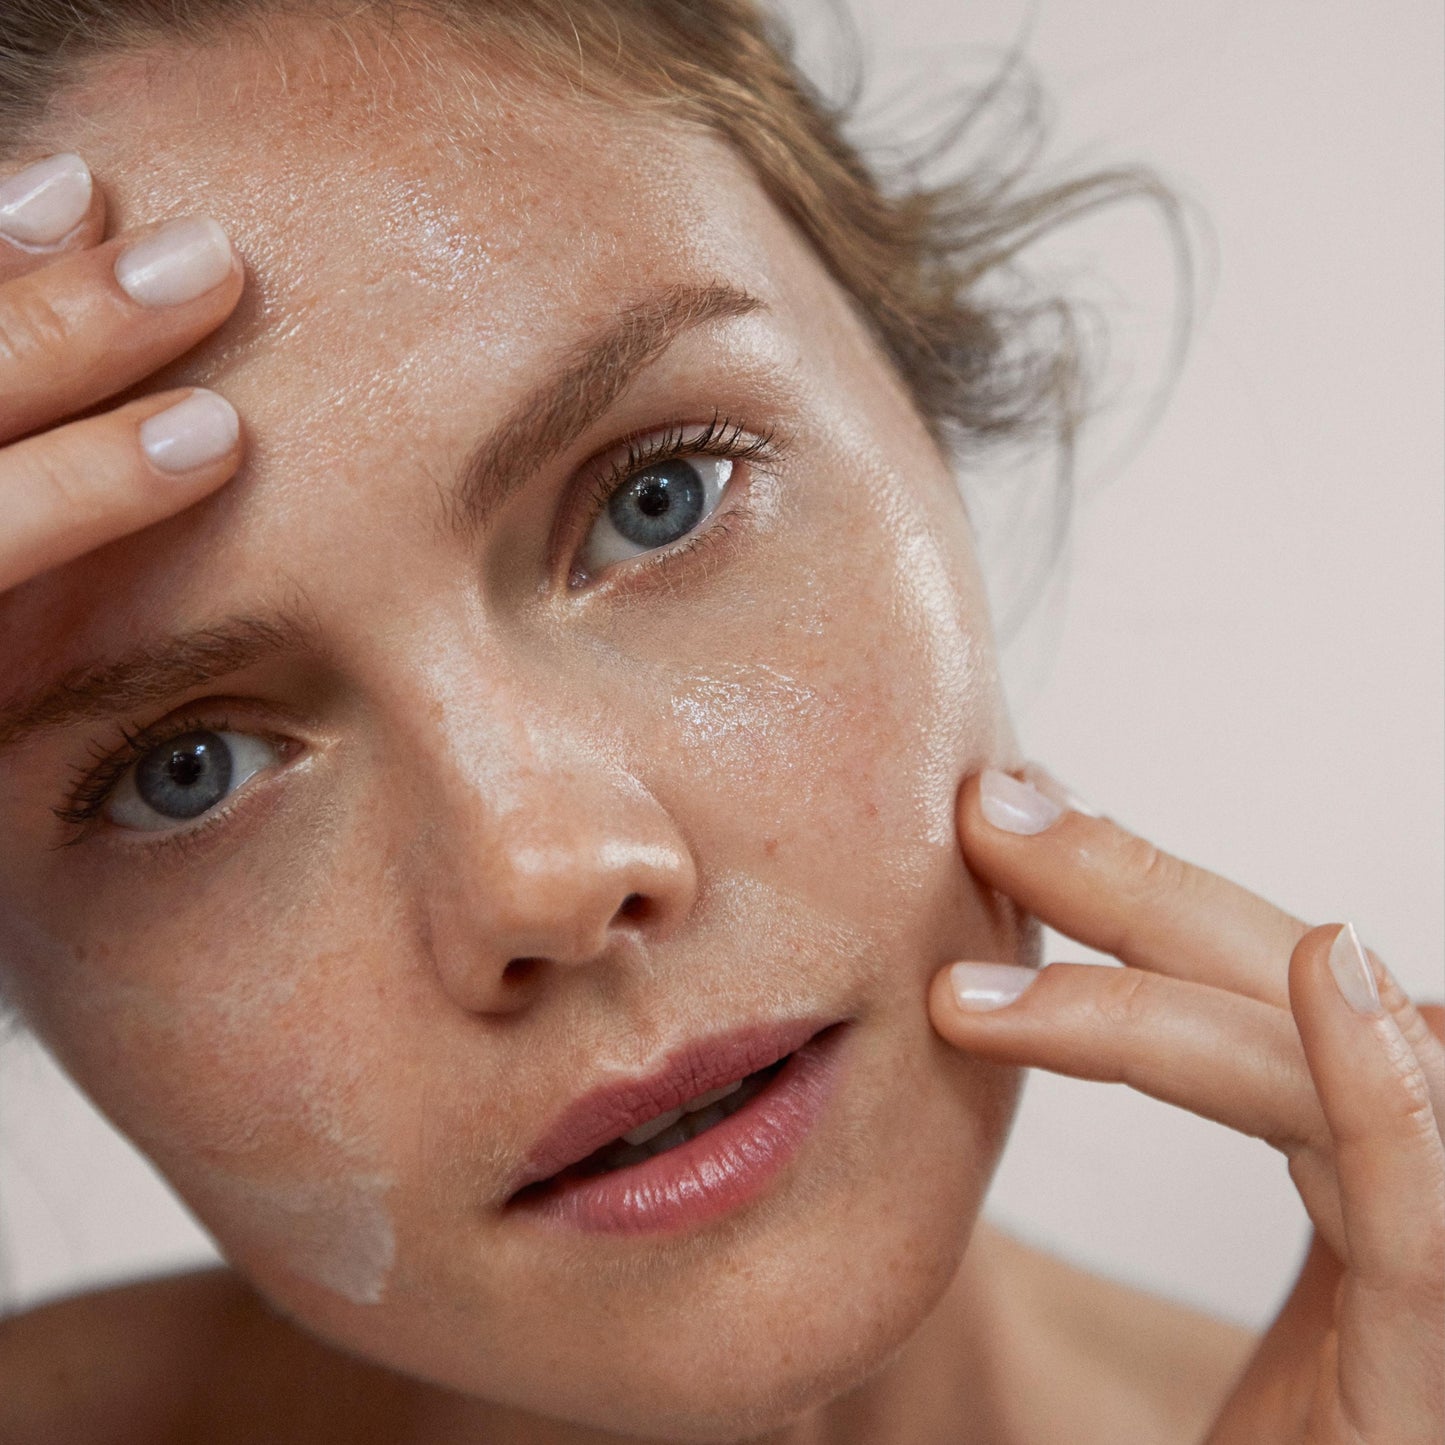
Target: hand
[
  {"x": 1231, "y": 1008},
  {"x": 82, "y": 319}
]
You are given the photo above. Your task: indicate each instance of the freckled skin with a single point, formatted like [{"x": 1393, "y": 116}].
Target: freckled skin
[{"x": 311, "y": 1002}]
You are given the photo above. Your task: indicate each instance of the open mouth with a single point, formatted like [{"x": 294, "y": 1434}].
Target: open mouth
[
  {"x": 667, "y": 1131},
  {"x": 708, "y": 1153}
]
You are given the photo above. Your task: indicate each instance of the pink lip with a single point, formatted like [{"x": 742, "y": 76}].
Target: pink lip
[{"x": 719, "y": 1170}]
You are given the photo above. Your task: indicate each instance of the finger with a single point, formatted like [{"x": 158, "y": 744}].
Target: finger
[
  {"x": 72, "y": 489},
  {"x": 91, "y": 324},
  {"x": 1432, "y": 1015},
  {"x": 1216, "y": 1053},
  {"x": 1098, "y": 883},
  {"x": 1422, "y": 1038},
  {"x": 47, "y": 208},
  {"x": 1390, "y": 1167}
]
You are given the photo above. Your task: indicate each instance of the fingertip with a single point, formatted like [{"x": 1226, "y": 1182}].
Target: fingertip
[
  {"x": 1329, "y": 962},
  {"x": 961, "y": 992},
  {"x": 995, "y": 804},
  {"x": 48, "y": 209},
  {"x": 192, "y": 437}
]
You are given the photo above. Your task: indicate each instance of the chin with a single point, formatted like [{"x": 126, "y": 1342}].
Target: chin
[{"x": 815, "y": 1351}]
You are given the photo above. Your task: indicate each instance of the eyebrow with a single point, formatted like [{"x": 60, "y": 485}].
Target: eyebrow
[
  {"x": 591, "y": 377},
  {"x": 151, "y": 673}
]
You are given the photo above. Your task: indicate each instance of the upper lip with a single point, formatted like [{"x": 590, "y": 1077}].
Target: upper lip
[{"x": 609, "y": 1110}]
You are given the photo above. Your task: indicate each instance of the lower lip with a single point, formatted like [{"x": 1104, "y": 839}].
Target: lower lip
[{"x": 722, "y": 1169}]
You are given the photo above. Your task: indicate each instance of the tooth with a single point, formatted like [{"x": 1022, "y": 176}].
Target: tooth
[
  {"x": 650, "y": 1130},
  {"x": 711, "y": 1097}
]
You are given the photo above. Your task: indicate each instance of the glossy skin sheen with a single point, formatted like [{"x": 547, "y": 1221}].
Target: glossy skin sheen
[{"x": 526, "y": 831}]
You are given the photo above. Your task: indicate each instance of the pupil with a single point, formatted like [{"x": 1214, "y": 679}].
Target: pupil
[
  {"x": 653, "y": 499},
  {"x": 187, "y": 776},
  {"x": 185, "y": 768}
]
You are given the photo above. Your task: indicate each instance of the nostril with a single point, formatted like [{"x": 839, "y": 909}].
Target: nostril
[
  {"x": 519, "y": 970},
  {"x": 634, "y": 908}
]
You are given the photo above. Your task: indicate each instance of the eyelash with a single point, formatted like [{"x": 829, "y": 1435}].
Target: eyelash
[
  {"x": 721, "y": 437},
  {"x": 93, "y": 785}
]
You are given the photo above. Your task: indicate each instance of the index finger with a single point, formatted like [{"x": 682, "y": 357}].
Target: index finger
[{"x": 48, "y": 208}]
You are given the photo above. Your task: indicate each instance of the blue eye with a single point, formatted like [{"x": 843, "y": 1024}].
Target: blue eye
[
  {"x": 180, "y": 780},
  {"x": 657, "y": 505}
]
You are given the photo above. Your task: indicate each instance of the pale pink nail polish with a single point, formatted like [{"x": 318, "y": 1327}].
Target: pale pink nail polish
[
  {"x": 1014, "y": 806},
  {"x": 1051, "y": 787},
  {"x": 46, "y": 201},
  {"x": 981, "y": 987},
  {"x": 1352, "y": 971}
]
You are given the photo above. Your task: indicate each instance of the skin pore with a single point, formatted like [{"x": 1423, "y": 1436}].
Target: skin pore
[{"x": 524, "y": 822}]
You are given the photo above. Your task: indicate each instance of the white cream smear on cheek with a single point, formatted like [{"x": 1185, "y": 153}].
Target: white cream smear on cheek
[
  {"x": 328, "y": 1223},
  {"x": 337, "y": 1233}
]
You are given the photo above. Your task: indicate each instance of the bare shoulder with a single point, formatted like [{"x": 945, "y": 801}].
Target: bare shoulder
[
  {"x": 1150, "y": 1369},
  {"x": 115, "y": 1366}
]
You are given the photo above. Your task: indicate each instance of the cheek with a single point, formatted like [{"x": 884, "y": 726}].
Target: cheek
[
  {"x": 844, "y": 717},
  {"x": 242, "y": 1061}
]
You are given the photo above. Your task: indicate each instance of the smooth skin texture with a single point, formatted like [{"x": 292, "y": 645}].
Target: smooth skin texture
[{"x": 307, "y": 1015}]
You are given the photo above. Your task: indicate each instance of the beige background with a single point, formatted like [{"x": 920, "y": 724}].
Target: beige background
[{"x": 1245, "y": 659}]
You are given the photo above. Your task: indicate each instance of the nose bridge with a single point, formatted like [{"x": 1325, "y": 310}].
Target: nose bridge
[{"x": 540, "y": 847}]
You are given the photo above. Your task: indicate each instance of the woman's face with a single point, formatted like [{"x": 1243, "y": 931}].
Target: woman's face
[{"x": 526, "y": 799}]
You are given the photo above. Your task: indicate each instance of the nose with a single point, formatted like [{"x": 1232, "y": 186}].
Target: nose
[{"x": 575, "y": 866}]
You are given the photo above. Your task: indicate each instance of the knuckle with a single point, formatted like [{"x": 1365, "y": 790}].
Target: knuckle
[
  {"x": 1150, "y": 871},
  {"x": 31, "y": 327},
  {"x": 65, "y": 490},
  {"x": 1402, "y": 1102},
  {"x": 1126, "y": 1000}
]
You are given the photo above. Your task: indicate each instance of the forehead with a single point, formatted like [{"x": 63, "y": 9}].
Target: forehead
[
  {"x": 425, "y": 230},
  {"x": 398, "y": 180}
]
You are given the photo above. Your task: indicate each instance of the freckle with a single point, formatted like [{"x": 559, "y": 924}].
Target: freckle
[{"x": 770, "y": 846}]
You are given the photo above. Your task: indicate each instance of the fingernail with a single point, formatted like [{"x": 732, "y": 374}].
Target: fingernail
[
  {"x": 195, "y": 431},
  {"x": 1051, "y": 787},
  {"x": 46, "y": 201},
  {"x": 181, "y": 261},
  {"x": 980, "y": 987},
  {"x": 1353, "y": 973},
  {"x": 1014, "y": 806}
]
